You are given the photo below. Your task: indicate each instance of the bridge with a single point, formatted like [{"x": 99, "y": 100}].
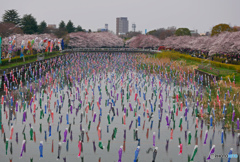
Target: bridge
[
  {"x": 111, "y": 50},
  {"x": 86, "y": 50}
]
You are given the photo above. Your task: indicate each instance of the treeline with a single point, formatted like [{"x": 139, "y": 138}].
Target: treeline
[
  {"x": 163, "y": 33},
  {"x": 12, "y": 23}
]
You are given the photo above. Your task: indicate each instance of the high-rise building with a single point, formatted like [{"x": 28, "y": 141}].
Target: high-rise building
[
  {"x": 106, "y": 27},
  {"x": 121, "y": 25}
]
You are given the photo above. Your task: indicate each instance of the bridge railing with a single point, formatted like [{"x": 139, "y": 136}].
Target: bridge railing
[{"x": 110, "y": 50}]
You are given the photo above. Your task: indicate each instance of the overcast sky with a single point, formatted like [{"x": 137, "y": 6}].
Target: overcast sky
[{"x": 146, "y": 14}]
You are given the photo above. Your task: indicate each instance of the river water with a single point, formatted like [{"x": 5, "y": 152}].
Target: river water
[{"x": 168, "y": 150}]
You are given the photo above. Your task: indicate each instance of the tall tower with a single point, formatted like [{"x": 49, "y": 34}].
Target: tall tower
[
  {"x": 106, "y": 27},
  {"x": 121, "y": 25},
  {"x": 134, "y": 27}
]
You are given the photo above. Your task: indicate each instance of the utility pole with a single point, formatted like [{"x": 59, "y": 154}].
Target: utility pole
[{"x": 0, "y": 50}]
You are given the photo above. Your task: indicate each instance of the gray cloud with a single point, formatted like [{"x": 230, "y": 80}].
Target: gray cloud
[{"x": 147, "y": 14}]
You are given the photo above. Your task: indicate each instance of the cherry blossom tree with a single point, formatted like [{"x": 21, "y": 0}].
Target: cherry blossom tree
[
  {"x": 143, "y": 41},
  {"x": 93, "y": 40},
  {"x": 226, "y": 42}
]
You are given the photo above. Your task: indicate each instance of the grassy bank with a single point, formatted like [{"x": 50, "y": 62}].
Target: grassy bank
[
  {"x": 16, "y": 61},
  {"x": 227, "y": 71}
]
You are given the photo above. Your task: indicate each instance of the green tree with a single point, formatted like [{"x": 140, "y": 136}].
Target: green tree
[
  {"x": 42, "y": 27},
  {"x": 70, "y": 28},
  {"x": 62, "y": 25},
  {"x": 29, "y": 24},
  {"x": 78, "y": 28},
  {"x": 182, "y": 31},
  {"x": 89, "y": 30},
  {"x": 163, "y": 33},
  {"x": 11, "y": 16},
  {"x": 131, "y": 34},
  {"x": 61, "y": 31},
  {"x": 152, "y": 32},
  {"x": 217, "y": 29}
]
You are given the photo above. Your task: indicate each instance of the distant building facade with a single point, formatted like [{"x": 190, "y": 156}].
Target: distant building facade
[
  {"x": 194, "y": 32},
  {"x": 121, "y": 25},
  {"x": 53, "y": 26},
  {"x": 208, "y": 34},
  {"x": 102, "y": 30},
  {"x": 106, "y": 27}
]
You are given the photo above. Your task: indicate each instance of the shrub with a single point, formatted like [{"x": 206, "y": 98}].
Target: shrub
[
  {"x": 190, "y": 57},
  {"x": 234, "y": 62},
  {"x": 27, "y": 57},
  {"x": 219, "y": 59},
  {"x": 168, "y": 54},
  {"x": 176, "y": 55}
]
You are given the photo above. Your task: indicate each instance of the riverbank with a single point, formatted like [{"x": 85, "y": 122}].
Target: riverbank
[
  {"x": 212, "y": 67},
  {"x": 18, "y": 63},
  {"x": 219, "y": 94}
]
